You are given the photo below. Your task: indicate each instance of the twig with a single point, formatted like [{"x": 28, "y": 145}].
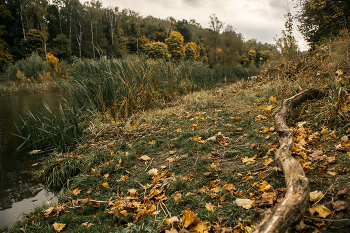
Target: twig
[
  {"x": 197, "y": 159},
  {"x": 149, "y": 164},
  {"x": 166, "y": 208},
  {"x": 323, "y": 195},
  {"x": 163, "y": 210},
  {"x": 328, "y": 220}
]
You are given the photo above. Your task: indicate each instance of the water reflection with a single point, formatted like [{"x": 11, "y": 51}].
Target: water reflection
[{"x": 16, "y": 184}]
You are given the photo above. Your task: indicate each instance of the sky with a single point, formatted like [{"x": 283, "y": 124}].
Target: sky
[{"x": 255, "y": 19}]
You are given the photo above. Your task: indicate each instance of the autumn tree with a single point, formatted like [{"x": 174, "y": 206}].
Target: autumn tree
[
  {"x": 156, "y": 50},
  {"x": 175, "y": 46},
  {"x": 321, "y": 19},
  {"x": 190, "y": 52}
]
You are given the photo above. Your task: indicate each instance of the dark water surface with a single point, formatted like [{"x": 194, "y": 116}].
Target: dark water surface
[{"x": 19, "y": 193}]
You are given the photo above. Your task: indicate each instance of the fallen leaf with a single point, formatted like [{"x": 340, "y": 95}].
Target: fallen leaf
[
  {"x": 339, "y": 205},
  {"x": 132, "y": 192},
  {"x": 87, "y": 224},
  {"x": 202, "y": 227},
  {"x": 302, "y": 226},
  {"x": 322, "y": 211},
  {"x": 268, "y": 108},
  {"x": 273, "y": 99},
  {"x": 124, "y": 213},
  {"x": 172, "y": 230},
  {"x": 76, "y": 191},
  {"x": 316, "y": 195},
  {"x": 171, "y": 220},
  {"x": 153, "y": 171},
  {"x": 145, "y": 158},
  {"x": 246, "y": 159},
  {"x": 209, "y": 207},
  {"x": 34, "y": 164},
  {"x": 268, "y": 161},
  {"x": 152, "y": 142},
  {"x": 245, "y": 203},
  {"x": 58, "y": 226},
  {"x": 188, "y": 217}
]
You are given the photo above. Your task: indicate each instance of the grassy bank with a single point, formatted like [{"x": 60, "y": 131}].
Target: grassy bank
[
  {"x": 203, "y": 161},
  {"x": 186, "y": 166}
]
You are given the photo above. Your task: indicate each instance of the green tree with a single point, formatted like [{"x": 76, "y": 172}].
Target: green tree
[
  {"x": 175, "y": 46},
  {"x": 216, "y": 25},
  {"x": 321, "y": 19},
  {"x": 287, "y": 43},
  {"x": 5, "y": 56},
  {"x": 61, "y": 47},
  {"x": 34, "y": 42}
]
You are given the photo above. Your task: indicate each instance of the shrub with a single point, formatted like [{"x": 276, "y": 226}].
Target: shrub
[{"x": 30, "y": 68}]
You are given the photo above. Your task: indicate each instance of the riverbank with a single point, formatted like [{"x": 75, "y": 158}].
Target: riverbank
[
  {"x": 205, "y": 162},
  {"x": 17, "y": 88}
]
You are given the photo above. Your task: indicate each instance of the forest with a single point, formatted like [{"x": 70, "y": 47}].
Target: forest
[{"x": 70, "y": 29}]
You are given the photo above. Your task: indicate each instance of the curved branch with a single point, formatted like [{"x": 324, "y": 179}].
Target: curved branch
[{"x": 291, "y": 209}]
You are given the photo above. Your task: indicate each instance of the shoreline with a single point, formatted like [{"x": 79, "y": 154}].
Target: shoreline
[{"x": 14, "y": 88}]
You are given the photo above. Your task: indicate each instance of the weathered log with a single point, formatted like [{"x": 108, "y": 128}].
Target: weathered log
[{"x": 291, "y": 209}]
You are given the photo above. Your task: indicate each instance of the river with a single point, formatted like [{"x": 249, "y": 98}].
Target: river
[{"x": 19, "y": 193}]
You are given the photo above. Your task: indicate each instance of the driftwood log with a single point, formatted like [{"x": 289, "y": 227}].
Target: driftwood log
[{"x": 291, "y": 209}]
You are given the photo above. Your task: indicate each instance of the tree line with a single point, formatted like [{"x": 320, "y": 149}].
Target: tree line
[{"x": 69, "y": 29}]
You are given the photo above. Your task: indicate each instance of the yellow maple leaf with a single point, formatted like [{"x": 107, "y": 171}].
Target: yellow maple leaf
[
  {"x": 262, "y": 186},
  {"x": 202, "y": 227},
  {"x": 152, "y": 142},
  {"x": 132, "y": 192},
  {"x": 188, "y": 217},
  {"x": 124, "y": 213},
  {"x": 268, "y": 108},
  {"x": 273, "y": 99},
  {"x": 322, "y": 211},
  {"x": 104, "y": 184},
  {"x": 58, "y": 226},
  {"x": 268, "y": 161},
  {"x": 76, "y": 191},
  {"x": 246, "y": 159}
]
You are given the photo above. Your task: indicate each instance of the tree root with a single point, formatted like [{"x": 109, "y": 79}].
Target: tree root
[{"x": 291, "y": 209}]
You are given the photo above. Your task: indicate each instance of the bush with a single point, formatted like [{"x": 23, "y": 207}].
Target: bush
[{"x": 29, "y": 68}]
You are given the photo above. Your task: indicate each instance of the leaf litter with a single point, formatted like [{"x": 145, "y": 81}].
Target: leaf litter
[{"x": 179, "y": 174}]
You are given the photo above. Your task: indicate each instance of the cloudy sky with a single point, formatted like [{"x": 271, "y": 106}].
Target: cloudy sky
[{"x": 255, "y": 19}]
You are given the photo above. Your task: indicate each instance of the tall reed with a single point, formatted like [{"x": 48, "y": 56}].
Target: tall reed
[
  {"x": 50, "y": 130},
  {"x": 123, "y": 86}
]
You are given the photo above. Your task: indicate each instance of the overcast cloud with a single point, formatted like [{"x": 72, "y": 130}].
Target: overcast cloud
[{"x": 255, "y": 19}]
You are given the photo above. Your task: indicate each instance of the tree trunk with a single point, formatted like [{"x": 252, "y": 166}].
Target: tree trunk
[
  {"x": 291, "y": 209},
  {"x": 20, "y": 13}
]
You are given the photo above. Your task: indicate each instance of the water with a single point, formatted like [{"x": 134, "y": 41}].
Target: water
[{"x": 19, "y": 193}]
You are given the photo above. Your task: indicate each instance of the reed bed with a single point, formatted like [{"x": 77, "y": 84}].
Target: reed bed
[
  {"x": 117, "y": 88},
  {"x": 49, "y": 130},
  {"x": 123, "y": 86}
]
